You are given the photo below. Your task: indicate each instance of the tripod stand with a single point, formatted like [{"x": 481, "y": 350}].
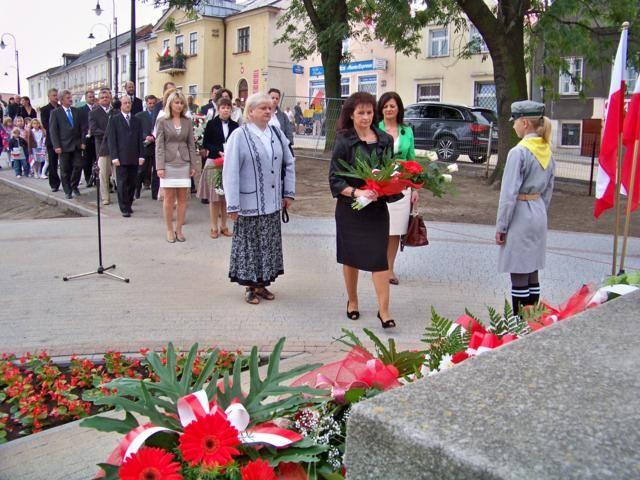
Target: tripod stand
[{"x": 101, "y": 270}]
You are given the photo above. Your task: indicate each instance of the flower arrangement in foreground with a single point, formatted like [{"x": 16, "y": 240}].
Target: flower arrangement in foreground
[
  {"x": 218, "y": 163},
  {"x": 199, "y": 124},
  {"x": 389, "y": 177}
]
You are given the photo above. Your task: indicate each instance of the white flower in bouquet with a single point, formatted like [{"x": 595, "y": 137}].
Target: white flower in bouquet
[
  {"x": 446, "y": 362},
  {"x": 427, "y": 154},
  {"x": 453, "y": 168},
  {"x": 447, "y": 178},
  {"x": 219, "y": 191}
]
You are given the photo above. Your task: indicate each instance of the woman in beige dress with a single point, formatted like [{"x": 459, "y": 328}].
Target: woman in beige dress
[{"x": 176, "y": 162}]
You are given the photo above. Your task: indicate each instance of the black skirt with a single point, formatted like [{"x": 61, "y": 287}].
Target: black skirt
[{"x": 362, "y": 235}]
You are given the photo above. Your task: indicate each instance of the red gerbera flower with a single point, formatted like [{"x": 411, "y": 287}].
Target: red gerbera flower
[
  {"x": 150, "y": 464},
  {"x": 258, "y": 470},
  {"x": 210, "y": 440},
  {"x": 412, "y": 168}
]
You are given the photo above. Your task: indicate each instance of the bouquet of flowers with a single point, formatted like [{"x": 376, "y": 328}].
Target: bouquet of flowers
[
  {"x": 217, "y": 174},
  {"x": 199, "y": 124},
  {"x": 426, "y": 172}
]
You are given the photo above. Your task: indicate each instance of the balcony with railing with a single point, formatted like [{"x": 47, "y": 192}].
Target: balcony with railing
[{"x": 173, "y": 64}]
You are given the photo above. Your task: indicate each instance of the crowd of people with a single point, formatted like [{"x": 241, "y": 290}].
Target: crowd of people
[{"x": 152, "y": 143}]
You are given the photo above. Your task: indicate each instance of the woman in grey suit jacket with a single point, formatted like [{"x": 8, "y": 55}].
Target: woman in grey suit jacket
[
  {"x": 176, "y": 162},
  {"x": 256, "y": 156}
]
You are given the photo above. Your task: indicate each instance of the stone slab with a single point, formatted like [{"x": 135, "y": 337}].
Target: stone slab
[{"x": 563, "y": 403}]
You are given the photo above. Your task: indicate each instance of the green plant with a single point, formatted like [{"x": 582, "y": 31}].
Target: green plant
[{"x": 440, "y": 342}]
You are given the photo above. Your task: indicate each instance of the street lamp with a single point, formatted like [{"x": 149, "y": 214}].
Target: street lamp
[
  {"x": 98, "y": 11},
  {"x": 15, "y": 48},
  {"x": 92, "y": 37}
]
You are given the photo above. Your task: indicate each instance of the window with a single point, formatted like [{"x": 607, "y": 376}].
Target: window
[
  {"x": 571, "y": 80},
  {"x": 476, "y": 41},
  {"x": 165, "y": 45},
  {"x": 428, "y": 92},
  {"x": 315, "y": 86},
  {"x": 369, "y": 84},
  {"x": 345, "y": 46},
  {"x": 95, "y": 73},
  {"x": 179, "y": 43},
  {"x": 123, "y": 64},
  {"x": 141, "y": 92},
  {"x": 484, "y": 95},
  {"x": 439, "y": 43},
  {"x": 193, "y": 43},
  {"x": 345, "y": 86},
  {"x": 570, "y": 135},
  {"x": 451, "y": 114},
  {"x": 39, "y": 89},
  {"x": 141, "y": 60},
  {"x": 243, "y": 39},
  {"x": 102, "y": 71},
  {"x": 193, "y": 90}
]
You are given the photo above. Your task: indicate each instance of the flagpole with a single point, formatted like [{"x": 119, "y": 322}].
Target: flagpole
[
  {"x": 616, "y": 235},
  {"x": 627, "y": 220}
]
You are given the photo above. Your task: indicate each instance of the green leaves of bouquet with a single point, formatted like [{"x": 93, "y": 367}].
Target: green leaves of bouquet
[
  {"x": 365, "y": 165},
  {"x": 440, "y": 342}
]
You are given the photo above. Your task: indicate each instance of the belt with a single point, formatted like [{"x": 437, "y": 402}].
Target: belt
[{"x": 525, "y": 197}]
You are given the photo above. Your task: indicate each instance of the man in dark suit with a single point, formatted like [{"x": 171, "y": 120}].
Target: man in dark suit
[
  {"x": 149, "y": 142},
  {"x": 212, "y": 101},
  {"x": 278, "y": 117},
  {"x": 45, "y": 115},
  {"x": 98, "y": 120},
  {"x": 89, "y": 153},
  {"x": 137, "y": 107},
  {"x": 125, "y": 145},
  {"x": 160, "y": 105},
  {"x": 67, "y": 138}
]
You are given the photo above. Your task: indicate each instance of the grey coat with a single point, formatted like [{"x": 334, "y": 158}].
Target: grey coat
[
  {"x": 285, "y": 125},
  {"x": 524, "y": 222},
  {"x": 251, "y": 176}
]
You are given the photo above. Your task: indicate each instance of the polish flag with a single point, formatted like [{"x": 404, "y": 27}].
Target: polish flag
[
  {"x": 613, "y": 124},
  {"x": 630, "y": 135}
]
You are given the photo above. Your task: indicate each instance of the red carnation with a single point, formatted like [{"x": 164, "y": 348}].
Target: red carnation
[
  {"x": 459, "y": 357},
  {"x": 258, "y": 470},
  {"x": 210, "y": 440},
  {"x": 412, "y": 168},
  {"x": 150, "y": 464},
  {"x": 218, "y": 162}
]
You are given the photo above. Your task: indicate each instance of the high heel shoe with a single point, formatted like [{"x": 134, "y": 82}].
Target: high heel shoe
[
  {"x": 391, "y": 323},
  {"x": 352, "y": 315}
]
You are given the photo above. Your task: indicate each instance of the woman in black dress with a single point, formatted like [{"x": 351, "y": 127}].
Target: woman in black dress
[{"x": 362, "y": 235}]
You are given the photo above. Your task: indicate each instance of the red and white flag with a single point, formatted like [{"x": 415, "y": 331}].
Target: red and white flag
[
  {"x": 630, "y": 135},
  {"x": 613, "y": 123}
]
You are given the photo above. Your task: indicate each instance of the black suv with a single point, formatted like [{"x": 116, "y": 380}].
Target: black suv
[{"x": 452, "y": 130}]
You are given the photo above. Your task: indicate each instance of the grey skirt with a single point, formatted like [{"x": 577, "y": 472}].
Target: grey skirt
[
  {"x": 176, "y": 176},
  {"x": 256, "y": 250}
]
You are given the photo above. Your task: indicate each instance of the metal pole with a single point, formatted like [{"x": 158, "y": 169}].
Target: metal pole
[
  {"x": 489, "y": 149},
  {"x": 616, "y": 233},
  {"x": 132, "y": 60},
  {"x": 593, "y": 163},
  {"x": 17, "y": 67},
  {"x": 627, "y": 220},
  {"x": 115, "y": 24},
  {"x": 110, "y": 65}
]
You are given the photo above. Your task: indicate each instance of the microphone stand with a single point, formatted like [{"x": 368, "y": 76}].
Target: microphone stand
[{"x": 101, "y": 270}]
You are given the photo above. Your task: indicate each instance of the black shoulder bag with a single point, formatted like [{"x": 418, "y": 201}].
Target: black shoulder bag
[{"x": 283, "y": 173}]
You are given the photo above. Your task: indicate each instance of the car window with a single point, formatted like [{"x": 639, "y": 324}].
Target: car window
[
  {"x": 451, "y": 114},
  {"x": 485, "y": 116},
  {"x": 433, "y": 111},
  {"x": 414, "y": 111}
]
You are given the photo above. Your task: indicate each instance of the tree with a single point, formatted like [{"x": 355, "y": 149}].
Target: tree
[
  {"x": 320, "y": 26},
  {"x": 514, "y": 29}
]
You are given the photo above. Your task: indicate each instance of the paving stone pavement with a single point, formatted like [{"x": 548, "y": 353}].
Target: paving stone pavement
[{"x": 181, "y": 293}]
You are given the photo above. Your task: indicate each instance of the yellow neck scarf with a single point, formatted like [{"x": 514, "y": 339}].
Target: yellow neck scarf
[{"x": 540, "y": 149}]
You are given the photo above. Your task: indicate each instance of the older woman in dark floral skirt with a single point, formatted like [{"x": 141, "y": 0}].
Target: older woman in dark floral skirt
[
  {"x": 362, "y": 235},
  {"x": 255, "y": 192}
]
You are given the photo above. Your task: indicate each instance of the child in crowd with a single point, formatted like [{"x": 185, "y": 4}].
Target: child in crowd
[
  {"x": 19, "y": 152},
  {"x": 19, "y": 123},
  {"x": 36, "y": 144}
]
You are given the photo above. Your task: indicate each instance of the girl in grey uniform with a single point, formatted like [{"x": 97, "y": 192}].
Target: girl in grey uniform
[{"x": 527, "y": 185}]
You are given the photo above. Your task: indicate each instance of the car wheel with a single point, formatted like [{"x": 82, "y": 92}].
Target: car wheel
[
  {"x": 478, "y": 158},
  {"x": 447, "y": 149}
]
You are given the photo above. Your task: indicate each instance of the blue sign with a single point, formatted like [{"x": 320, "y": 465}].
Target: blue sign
[
  {"x": 298, "y": 69},
  {"x": 363, "y": 66}
]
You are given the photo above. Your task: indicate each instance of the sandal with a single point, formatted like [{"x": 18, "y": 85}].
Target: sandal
[
  {"x": 214, "y": 233},
  {"x": 225, "y": 231},
  {"x": 180, "y": 238},
  {"x": 250, "y": 296},
  {"x": 387, "y": 324},
  {"x": 394, "y": 281},
  {"x": 352, "y": 315},
  {"x": 264, "y": 293},
  {"x": 171, "y": 237}
]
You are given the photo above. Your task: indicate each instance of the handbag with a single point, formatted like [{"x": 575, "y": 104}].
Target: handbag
[
  {"x": 416, "y": 235},
  {"x": 17, "y": 153}
]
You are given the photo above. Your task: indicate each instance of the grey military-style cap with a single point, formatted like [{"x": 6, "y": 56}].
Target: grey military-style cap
[{"x": 526, "y": 108}]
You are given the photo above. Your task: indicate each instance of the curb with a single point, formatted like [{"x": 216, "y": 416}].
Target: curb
[{"x": 50, "y": 199}]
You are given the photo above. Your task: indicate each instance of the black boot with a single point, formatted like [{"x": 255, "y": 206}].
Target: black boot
[
  {"x": 534, "y": 294},
  {"x": 519, "y": 298}
]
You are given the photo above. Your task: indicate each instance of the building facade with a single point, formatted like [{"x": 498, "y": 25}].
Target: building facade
[{"x": 227, "y": 44}]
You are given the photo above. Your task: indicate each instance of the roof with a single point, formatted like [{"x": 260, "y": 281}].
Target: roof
[
  {"x": 44, "y": 72},
  {"x": 256, "y": 4}
]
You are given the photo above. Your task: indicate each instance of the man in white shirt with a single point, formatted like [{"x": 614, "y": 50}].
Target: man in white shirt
[
  {"x": 278, "y": 117},
  {"x": 98, "y": 121}
]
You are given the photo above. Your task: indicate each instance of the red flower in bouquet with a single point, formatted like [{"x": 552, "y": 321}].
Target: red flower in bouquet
[
  {"x": 411, "y": 167},
  {"x": 150, "y": 464},
  {"x": 258, "y": 470},
  {"x": 459, "y": 357},
  {"x": 210, "y": 440},
  {"x": 218, "y": 162}
]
